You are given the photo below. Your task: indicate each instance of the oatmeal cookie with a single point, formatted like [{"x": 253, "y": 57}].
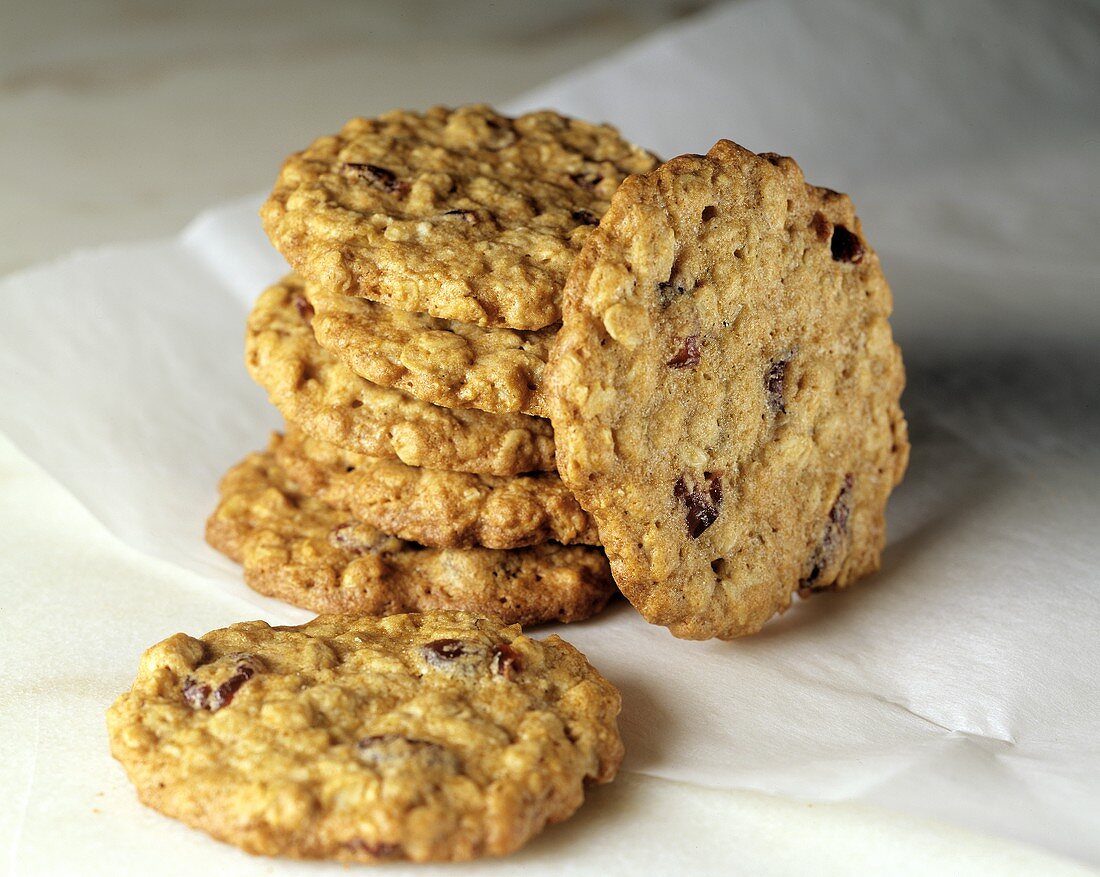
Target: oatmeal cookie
[
  {"x": 428, "y": 737},
  {"x": 463, "y": 214},
  {"x": 725, "y": 391}
]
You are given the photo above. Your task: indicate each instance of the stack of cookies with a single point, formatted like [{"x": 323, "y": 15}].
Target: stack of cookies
[
  {"x": 521, "y": 362},
  {"x": 407, "y": 354}
]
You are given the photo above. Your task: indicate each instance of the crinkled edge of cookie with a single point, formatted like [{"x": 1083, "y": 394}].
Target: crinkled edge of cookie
[
  {"x": 320, "y": 394},
  {"x": 445, "y": 362},
  {"x": 436, "y": 508},
  {"x": 301, "y": 550}
]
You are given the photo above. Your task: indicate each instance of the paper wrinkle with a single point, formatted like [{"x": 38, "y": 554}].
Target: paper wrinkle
[{"x": 957, "y": 682}]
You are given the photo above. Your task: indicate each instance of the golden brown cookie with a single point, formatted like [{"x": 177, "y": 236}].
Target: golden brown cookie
[
  {"x": 299, "y": 549},
  {"x": 433, "y": 507},
  {"x": 463, "y": 214},
  {"x": 445, "y": 362},
  {"x": 724, "y": 391},
  {"x": 316, "y": 391},
  {"x": 433, "y": 737}
]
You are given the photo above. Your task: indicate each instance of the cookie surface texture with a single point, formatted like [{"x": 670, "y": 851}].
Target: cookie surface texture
[
  {"x": 297, "y": 548},
  {"x": 315, "y": 390},
  {"x": 725, "y": 390},
  {"x": 430, "y": 737},
  {"x": 463, "y": 214},
  {"x": 445, "y": 362},
  {"x": 433, "y": 507}
]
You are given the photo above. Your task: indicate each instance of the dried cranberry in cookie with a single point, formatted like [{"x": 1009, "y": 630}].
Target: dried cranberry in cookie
[{"x": 725, "y": 391}]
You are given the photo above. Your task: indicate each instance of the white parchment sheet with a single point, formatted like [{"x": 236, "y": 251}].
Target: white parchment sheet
[{"x": 960, "y": 682}]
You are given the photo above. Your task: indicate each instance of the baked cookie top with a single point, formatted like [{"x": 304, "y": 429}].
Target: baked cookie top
[
  {"x": 724, "y": 391},
  {"x": 433, "y": 737},
  {"x": 445, "y": 362},
  {"x": 433, "y": 507},
  {"x": 460, "y": 213},
  {"x": 297, "y": 548},
  {"x": 315, "y": 390}
]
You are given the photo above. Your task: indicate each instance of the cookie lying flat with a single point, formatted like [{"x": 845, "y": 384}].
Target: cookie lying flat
[
  {"x": 725, "y": 391},
  {"x": 313, "y": 389},
  {"x": 299, "y": 549},
  {"x": 432, "y": 507},
  {"x": 462, "y": 214},
  {"x": 445, "y": 362},
  {"x": 434, "y": 737}
]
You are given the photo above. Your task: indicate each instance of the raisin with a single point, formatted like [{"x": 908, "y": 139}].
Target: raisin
[
  {"x": 821, "y": 226},
  {"x": 304, "y": 308},
  {"x": 702, "y": 502},
  {"x": 775, "y": 379},
  {"x": 506, "y": 661},
  {"x": 377, "y": 849},
  {"x": 202, "y": 696},
  {"x": 347, "y": 536},
  {"x": 587, "y": 181},
  {"x": 442, "y": 651},
  {"x": 379, "y": 177},
  {"x": 846, "y": 246},
  {"x": 585, "y": 217},
  {"x": 688, "y": 354},
  {"x": 836, "y": 528},
  {"x": 195, "y": 693}
]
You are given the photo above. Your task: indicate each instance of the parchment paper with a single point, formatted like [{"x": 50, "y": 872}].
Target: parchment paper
[{"x": 961, "y": 681}]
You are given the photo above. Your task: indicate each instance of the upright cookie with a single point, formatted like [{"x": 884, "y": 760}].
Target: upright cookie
[
  {"x": 462, "y": 214},
  {"x": 316, "y": 391},
  {"x": 432, "y": 507},
  {"x": 297, "y": 548},
  {"x": 445, "y": 362},
  {"x": 724, "y": 391},
  {"x": 435, "y": 737}
]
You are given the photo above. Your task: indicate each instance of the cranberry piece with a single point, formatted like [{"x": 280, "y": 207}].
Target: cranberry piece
[
  {"x": 195, "y": 693},
  {"x": 702, "y": 502},
  {"x": 506, "y": 661},
  {"x": 377, "y": 849},
  {"x": 202, "y": 696},
  {"x": 836, "y": 527},
  {"x": 440, "y": 652},
  {"x": 379, "y": 177},
  {"x": 775, "y": 380},
  {"x": 585, "y": 217},
  {"x": 821, "y": 226},
  {"x": 846, "y": 246},
  {"x": 587, "y": 181},
  {"x": 688, "y": 354},
  {"x": 348, "y": 537},
  {"x": 304, "y": 308}
]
